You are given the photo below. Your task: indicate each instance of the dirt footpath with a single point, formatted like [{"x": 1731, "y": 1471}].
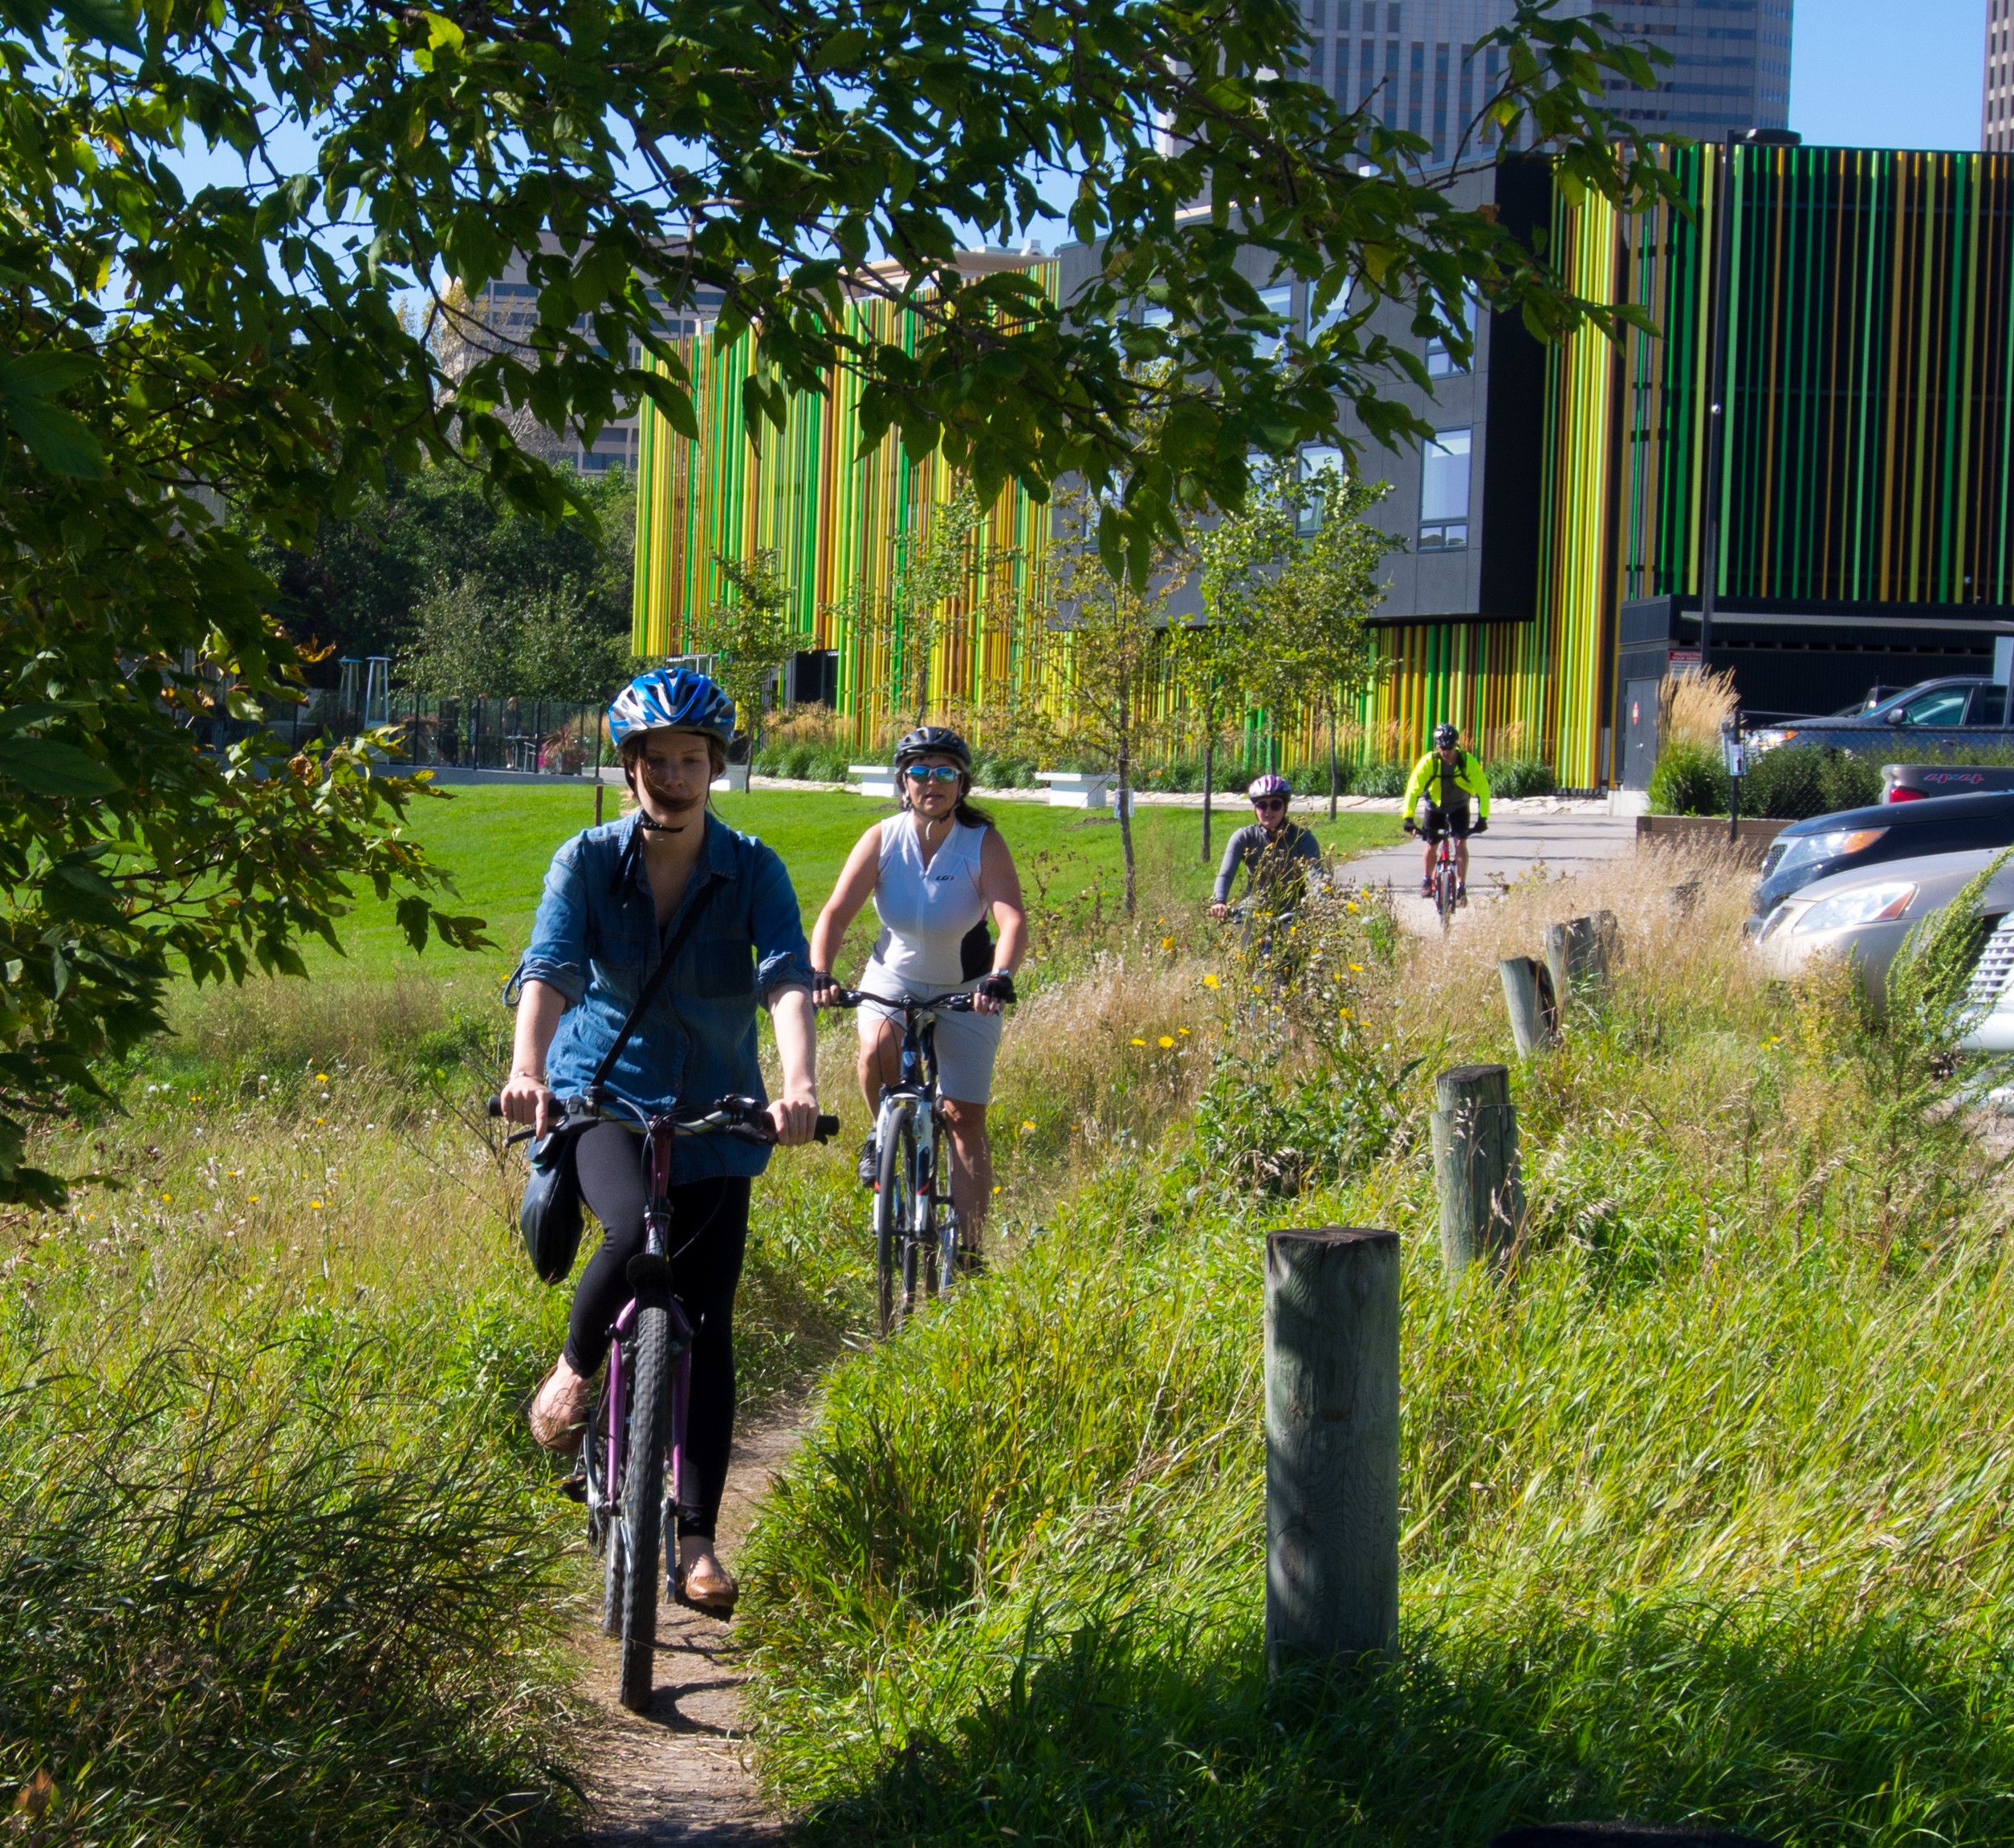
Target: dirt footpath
[{"x": 679, "y": 1773}]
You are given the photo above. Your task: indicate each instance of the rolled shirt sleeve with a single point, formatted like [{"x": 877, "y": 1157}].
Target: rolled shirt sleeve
[
  {"x": 782, "y": 956},
  {"x": 558, "y": 956}
]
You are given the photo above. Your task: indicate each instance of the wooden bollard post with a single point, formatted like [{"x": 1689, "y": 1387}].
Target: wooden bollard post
[
  {"x": 1534, "y": 1006},
  {"x": 1332, "y": 1445},
  {"x": 1580, "y": 952},
  {"x": 1475, "y": 1165}
]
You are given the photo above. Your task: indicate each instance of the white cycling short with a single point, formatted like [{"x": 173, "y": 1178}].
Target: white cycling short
[{"x": 967, "y": 1045}]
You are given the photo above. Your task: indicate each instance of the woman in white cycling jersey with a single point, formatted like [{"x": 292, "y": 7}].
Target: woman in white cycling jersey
[{"x": 936, "y": 873}]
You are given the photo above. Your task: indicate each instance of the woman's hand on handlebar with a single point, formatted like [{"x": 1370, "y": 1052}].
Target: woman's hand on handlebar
[
  {"x": 794, "y": 1117},
  {"x": 825, "y": 990},
  {"x": 1220, "y": 910},
  {"x": 995, "y": 995},
  {"x": 528, "y": 1099}
]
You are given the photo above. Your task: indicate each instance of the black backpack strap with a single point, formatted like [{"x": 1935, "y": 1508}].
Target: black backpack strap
[{"x": 665, "y": 961}]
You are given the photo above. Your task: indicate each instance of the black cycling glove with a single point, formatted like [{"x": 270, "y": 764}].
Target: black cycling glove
[
  {"x": 1480, "y": 827},
  {"x": 999, "y": 986}
]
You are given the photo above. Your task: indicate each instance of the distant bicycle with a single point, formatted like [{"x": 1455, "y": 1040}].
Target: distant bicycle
[
  {"x": 636, "y": 1434},
  {"x": 916, "y": 1225},
  {"x": 1445, "y": 885}
]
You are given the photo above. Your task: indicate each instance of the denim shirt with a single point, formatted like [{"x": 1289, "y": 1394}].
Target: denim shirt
[{"x": 596, "y": 940}]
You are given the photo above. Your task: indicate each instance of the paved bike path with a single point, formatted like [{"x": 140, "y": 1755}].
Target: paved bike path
[
  {"x": 679, "y": 1774},
  {"x": 1564, "y": 840}
]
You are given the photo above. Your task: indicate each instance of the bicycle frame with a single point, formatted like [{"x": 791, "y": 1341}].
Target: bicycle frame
[
  {"x": 912, "y": 1098},
  {"x": 632, "y": 1501}
]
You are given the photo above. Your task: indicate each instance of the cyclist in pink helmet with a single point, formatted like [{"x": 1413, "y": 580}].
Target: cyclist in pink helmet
[{"x": 1272, "y": 850}]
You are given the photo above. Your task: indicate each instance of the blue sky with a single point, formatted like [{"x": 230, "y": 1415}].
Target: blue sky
[{"x": 1888, "y": 73}]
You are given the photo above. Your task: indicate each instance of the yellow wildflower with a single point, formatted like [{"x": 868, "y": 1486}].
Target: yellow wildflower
[
  {"x": 1166, "y": 1042},
  {"x": 1140, "y": 1042},
  {"x": 1210, "y": 981},
  {"x": 321, "y": 1077}
]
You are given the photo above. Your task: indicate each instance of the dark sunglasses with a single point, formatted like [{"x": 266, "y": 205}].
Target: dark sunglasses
[
  {"x": 1271, "y": 802},
  {"x": 933, "y": 772}
]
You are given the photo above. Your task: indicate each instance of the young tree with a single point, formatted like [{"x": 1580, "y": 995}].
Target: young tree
[
  {"x": 750, "y": 633},
  {"x": 1293, "y": 575},
  {"x": 1116, "y": 648},
  {"x": 903, "y": 619},
  {"x": 1208, "y": 657}
]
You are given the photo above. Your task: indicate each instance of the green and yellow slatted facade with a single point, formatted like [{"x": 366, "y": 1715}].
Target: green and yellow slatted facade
[
  {"x": 838, "y": 521},
  {"x": 1869, "y": 453}
]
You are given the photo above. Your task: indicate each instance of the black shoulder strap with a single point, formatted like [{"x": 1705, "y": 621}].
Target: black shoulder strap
[{"x": 665, "y": 961}]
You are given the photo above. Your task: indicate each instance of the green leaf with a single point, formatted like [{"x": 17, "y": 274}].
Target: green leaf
[
  {"x": 43, "y": 766},
  {"x": 104, "y": 20},
  {"x": 61, "y": 442},
  {"x": 18, "y": 718}
]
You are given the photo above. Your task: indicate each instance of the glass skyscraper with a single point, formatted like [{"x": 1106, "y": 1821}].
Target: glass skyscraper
[{"x": 1415, "y": 63}]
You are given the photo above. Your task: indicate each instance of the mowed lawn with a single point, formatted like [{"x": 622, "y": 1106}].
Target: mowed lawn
[{"x": 496, "y": 841}]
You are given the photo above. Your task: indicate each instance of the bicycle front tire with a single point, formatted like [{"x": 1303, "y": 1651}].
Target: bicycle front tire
[
  {"x": 642, "y": 1527},
  {"x": 894, "y": 1217}
]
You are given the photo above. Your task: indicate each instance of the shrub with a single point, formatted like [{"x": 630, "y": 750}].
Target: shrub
[
  {"x": 1796, "y": 781},
  {"x": 1254, "y": 1131},
  {"x": 1516, "y": 776},
  {"x": 1386, "y": 779},
  {"x": 1688, "y": 780}
]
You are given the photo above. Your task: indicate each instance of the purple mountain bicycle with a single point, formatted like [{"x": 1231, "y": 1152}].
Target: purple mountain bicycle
[{"x": 633, "y": 1452}]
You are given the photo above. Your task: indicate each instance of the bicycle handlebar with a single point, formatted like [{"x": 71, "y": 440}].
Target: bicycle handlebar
[
  {"x": 745, "y": 1117},
  {"x": 944, "y": 1003}
]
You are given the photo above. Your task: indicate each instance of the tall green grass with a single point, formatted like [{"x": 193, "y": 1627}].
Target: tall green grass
[{"x": 1704, "y": 1503}]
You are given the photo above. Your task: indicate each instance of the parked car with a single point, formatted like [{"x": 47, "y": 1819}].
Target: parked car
[
  {"x": 1992, "y": 994},
  {"x": 1863, "y": 915},
  {"x": 1854, "y": 838},
  {"x": 1949, "y": 711},
  {"x": 1913, "y": 782}
]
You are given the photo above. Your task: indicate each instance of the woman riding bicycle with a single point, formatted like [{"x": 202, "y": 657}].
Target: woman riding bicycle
[
  {"x": 615, "y": 897},
  {"x": 1273, "y": 851},
  {"x": 935, "y": 872}
]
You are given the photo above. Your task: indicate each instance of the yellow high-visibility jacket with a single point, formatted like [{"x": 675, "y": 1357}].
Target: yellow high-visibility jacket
[{"x": 1430, "y": 778}]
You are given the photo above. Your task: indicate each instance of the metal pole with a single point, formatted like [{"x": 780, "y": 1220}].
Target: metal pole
[{"x": 1717, "y": 398}]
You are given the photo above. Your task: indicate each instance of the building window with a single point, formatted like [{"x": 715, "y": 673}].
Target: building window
[
  {"x": 1313, "y": 459},
  {"x": 1440, "y": 362},
  {"x": 1443, "y": 492},
  {"x": 1277, "y": 300}
]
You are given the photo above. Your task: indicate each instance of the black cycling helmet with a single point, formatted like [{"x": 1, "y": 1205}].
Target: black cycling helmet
[
  {"x": 1444, "y": 734},
  {"x": 932, "y": 741}
]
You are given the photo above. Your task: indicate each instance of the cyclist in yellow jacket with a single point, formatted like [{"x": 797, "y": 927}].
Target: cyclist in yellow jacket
[{"x": 1437, "y": 799}]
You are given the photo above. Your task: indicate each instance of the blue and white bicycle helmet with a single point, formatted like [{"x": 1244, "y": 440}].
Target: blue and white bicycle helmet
[{"x": 672, "y": 699}]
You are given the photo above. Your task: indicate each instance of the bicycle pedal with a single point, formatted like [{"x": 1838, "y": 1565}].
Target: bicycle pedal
[{"x": 575, "y": 1487}]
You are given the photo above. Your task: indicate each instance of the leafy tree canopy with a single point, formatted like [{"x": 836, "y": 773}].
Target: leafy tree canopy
[{"x": 169, "y": 349}]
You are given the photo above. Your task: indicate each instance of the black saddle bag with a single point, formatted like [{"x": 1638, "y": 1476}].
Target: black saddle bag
[{"x": 549, "y": 1217}]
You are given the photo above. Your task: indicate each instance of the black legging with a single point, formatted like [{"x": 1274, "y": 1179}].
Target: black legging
[{"x": 709, "y": 1235}]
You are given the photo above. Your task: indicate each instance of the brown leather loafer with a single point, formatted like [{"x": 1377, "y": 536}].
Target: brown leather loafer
[{"x": 718, "y": 1599}]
